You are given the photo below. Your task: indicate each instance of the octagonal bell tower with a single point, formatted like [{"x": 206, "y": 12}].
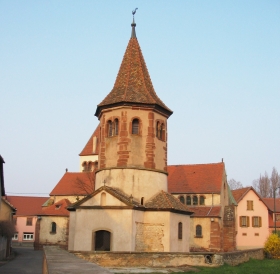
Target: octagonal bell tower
[{"x": 133, "y": 130}]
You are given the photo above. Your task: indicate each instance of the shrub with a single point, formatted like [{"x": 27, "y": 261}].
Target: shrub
[
  {"x": 272, "y": 246},
  {"x": 7, "y": 229}
]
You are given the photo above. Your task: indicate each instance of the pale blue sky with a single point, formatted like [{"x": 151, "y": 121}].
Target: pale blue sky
[{"x": 216, "y": 64}]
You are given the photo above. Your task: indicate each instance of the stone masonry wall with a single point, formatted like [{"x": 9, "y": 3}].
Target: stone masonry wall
[
  {"x": 164, "y": 259},
  {"x": 149, "y": 237}
]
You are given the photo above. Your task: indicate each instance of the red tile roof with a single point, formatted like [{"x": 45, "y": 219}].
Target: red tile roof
[
  {"x": 57, "y": 209},
  {"x": 27, "y": 206},
  {"x": 238, "y": 194},
  {"x": 75, "y": 183},
  {"x": 88, "y": 149},
  {"x": 270, "y": 204},
  {"x": 206, "y": 211},
  {"x": 201, "y": 178},
  {"x": 164, "y": 200},
  {"x": 133, "y": 84}
]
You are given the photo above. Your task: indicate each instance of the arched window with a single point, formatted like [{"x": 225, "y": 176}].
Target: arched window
[
  {"x": 116, "y": 126},
  {"x": 189, "y": 200},
  {"x": 89, "y": 168},
  {"x": 180, "y": 231},
  {"x": 53, "y": 227},
  {"x": 135, "y": 126},
  {"x": 182, "y": 199},
  {"x": 157, "y": 129},
  {"x": 195, "y": 200},
  {"x": 161, "y": 132},
  {"x": 110, "y": 128},
  {"x": 198, "y": 231},
  {"x": 84, "y": 165},
  {"x": 201, "y": 200}
]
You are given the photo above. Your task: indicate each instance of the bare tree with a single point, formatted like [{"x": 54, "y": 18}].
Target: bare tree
[
  {"x": 234, "y": 184},
  {"x": 85, "y": 182},
  {"x": 265, "y": 186},
  {"x": 275, "y": 182}
]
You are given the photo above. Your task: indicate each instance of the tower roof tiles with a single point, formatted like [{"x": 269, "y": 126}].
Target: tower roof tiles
[{"x": 133, "y": 85}]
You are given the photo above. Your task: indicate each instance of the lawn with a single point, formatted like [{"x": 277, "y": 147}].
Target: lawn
[{"x": 266, "y": 266}]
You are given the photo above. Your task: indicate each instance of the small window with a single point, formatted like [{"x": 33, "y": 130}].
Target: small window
[
  {"x": 29, "y": 221},
  {"x": 15, "y": 237},
  {"x": 256, "y": 221},
  {"x": 277, "y": 217},
  {"x": 53, "y": 227},
  {"x": 161, "y": 132},
  {"x": 244, "y": 221},
  {"x": 201, "y": 200},
  {"x": 110, "y": 128},
  {"x": 27, "y": 236},
  {"x": 198, "y": 231},
  {"x": 195, "y": 200},
  {"x": 180, "y": 231},
  {"x": 135, "y": 126},
  {"x": 189, "y": 200},
  {"x": 142, "y": 201},
  {"x": 84, "y": 165},
  {"x": 182, "y": 199},
  {"x": 250, "y": 205},
  {"x": 158, "y": 129},
  {"x": 116, "y": 127}
]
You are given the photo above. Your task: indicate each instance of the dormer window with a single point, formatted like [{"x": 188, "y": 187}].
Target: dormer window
[
  {"x": 57, "y": 207},
  {"x": 135, "y": 126}
]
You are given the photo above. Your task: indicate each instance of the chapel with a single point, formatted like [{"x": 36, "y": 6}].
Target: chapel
[{"x": 130, "y": 208}]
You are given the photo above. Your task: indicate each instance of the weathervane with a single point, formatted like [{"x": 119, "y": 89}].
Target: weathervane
[{"x": 133, "y": 12}]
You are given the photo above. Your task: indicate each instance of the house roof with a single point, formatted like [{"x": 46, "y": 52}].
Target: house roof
[
  {"x": 164, "y": 200},
  {"x": 133, "y": 85},
  {"x": 25, "y": 205},
  {"x": 206, "y": 211},
  {"x": 57, "y": 209},
  {"x": 75, "y": 183},
  {"x": 200, "y": 178},
  {"x": 88, "y": 149},
  {"x": 270, "y": 204},
  {"x": 239, "y": 194},
  {"x": 9, "y": 204}
]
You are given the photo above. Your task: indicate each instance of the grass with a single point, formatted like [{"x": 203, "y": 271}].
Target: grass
[{"x": 267, "y": 266}]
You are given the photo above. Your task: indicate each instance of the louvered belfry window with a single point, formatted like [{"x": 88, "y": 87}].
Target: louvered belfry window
[
  {"x": 135, "y": 126},
  {"x": 116, "y": 126},
  {"x": 110, "y": 129}
]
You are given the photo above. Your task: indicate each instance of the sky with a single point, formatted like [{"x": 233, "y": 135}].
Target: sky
[{"x": 216, "y": 64}]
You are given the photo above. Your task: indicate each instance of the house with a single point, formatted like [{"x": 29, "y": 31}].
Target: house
[
  {"x": 273, "y": 214},
  {"x": 252, "y": 219},
  {"x": 25, "y": 218},
  {"x": 6, "y": 215},
  {"x": 130, "y": 209},
  {"x": 204, "y": 189}
]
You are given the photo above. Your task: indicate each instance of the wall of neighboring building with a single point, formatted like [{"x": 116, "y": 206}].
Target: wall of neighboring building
[
  {"x": 6, "y": 212},
  {"x": 249, "y": 236}
]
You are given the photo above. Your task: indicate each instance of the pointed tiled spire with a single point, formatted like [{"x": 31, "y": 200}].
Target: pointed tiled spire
[{"x": 133, "y": 85}]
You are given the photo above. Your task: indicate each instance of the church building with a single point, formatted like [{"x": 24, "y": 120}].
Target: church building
[{"x": 130, "y": 208}]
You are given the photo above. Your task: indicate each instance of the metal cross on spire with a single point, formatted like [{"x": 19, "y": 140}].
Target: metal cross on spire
[{"x": 133, "y": 33}]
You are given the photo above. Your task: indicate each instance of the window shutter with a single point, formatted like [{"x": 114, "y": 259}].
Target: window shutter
[
  {"x": 252, "y": 205},
  {"x": 248, "y": 221},
  {"x": 248, "y": 205},
  {"x": 240, "y": 220},
  {"x": 260, "y": 221}
]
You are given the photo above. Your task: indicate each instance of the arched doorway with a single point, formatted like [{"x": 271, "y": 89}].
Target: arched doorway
[{"x": 102, "y": 240}]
